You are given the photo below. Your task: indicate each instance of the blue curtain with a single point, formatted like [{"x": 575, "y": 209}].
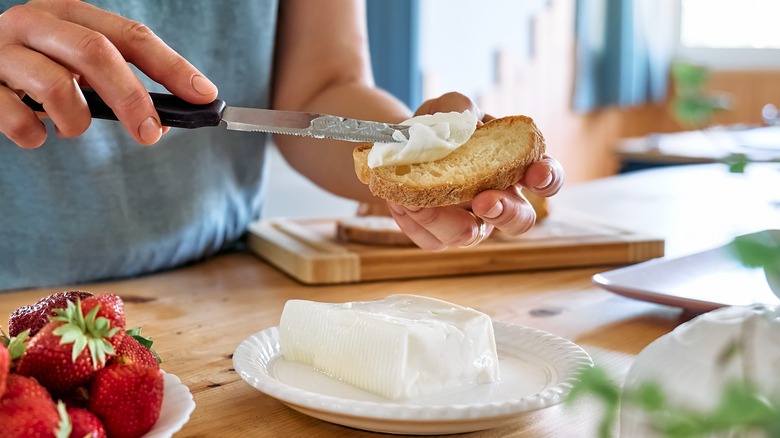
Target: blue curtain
[
  {"x": 623, "y": 53},
  {"x": 393, "y": 36}
]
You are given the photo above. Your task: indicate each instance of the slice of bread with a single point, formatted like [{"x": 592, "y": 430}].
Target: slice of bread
[
  {"x": 495, "y": 157},
  {"x": 371, "y": 230}
]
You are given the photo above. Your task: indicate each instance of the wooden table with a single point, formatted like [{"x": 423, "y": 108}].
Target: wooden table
[{"x": 198, "y": 314}]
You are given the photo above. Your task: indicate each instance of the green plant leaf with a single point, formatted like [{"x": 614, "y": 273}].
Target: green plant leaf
[
  {"x": 737, "y": 162},
  {"x": 756, "y": 250},
  {"x": 741, "y": 408},
  {"x": 595, "y": 382},
  {"x": 650, "y": 397},
  {"x": 689, "y": 76},
  {"x": 693, "y": 109}
]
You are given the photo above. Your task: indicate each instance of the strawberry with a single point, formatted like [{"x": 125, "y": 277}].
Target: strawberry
[
  {"x": 24, "y": 387},
  {"x": 27, "y": 410},
  {"x": 69, "y": 350},
  {"x": 127, "y": 399},
  {"x": 84, "y": 423},
  {"x": 28, "y": 418},
  {"x": 111, "y": 308},
  {"x": 5, "y": 366},
  {"x": 135, "y": 349},
  {"x": 35, "y": 316}
]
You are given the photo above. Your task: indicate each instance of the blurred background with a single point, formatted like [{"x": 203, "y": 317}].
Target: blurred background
[{"x": 614, "y": 85}]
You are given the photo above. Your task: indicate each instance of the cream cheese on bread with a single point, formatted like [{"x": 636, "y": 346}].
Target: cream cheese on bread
[
  {"x": 495, "y": 156},
  {"x": 431, "y": 137}
]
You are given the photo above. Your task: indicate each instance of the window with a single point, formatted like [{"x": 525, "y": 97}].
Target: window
[{"x": 729, "y": 34}]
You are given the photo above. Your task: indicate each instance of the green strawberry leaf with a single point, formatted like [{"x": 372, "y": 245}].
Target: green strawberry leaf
[
  {"x": 146, "y": 342},
  {"x": 64, "y": 427},
  {"x": 4, "y": 339},
  {"x": 85, "y": 332},
  {"x": 17, "y": 345}
]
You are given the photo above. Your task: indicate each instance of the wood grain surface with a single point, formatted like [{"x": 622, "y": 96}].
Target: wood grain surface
[
  {"x": 198, "y": 314},
  {"x": 310, "y": 251}
]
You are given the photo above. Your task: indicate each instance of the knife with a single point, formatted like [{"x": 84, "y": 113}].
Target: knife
[{"x": 177, "y": 113}]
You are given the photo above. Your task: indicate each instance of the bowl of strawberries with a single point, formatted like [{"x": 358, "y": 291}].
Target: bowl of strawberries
[{"x": 69, "y": 367}]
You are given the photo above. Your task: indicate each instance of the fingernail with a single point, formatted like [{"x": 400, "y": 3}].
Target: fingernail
[
  {"x": 495, "y": 211},
  {"x": 150, "y": 130},
  {"x": 546, "y": 182},
  {"x": 203, "y": 85}
]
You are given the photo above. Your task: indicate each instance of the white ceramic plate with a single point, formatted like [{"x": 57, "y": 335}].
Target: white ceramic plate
[
  {"x": 537, "y": 370},
  {"x": 176, "y": 408},
  {"x": 699, "y": 282}
]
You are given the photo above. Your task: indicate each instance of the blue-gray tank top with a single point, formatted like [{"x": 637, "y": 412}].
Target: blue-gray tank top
[{"x": 100, "y": 206}]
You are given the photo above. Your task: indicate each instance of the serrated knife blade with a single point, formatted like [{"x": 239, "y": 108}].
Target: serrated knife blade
[
  {"x": 310, "y": 125},
  {"x": 177, "y": 113}
]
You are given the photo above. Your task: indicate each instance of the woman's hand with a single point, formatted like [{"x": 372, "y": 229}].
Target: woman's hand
[
  {"x": 50, "y": 47},
  {"x": 508, "y": 210}
]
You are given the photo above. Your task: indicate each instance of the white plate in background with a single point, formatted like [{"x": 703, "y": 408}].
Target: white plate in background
[{"x": 699, "y": 282}]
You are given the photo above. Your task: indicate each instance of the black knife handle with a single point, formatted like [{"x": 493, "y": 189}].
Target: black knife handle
[{"x": 173, "y": 111}]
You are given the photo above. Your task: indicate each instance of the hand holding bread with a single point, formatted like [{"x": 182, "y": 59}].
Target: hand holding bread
[{"x": 440, "y": 204}]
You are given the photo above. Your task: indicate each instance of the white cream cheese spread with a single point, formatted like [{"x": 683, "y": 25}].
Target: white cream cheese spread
[
  {"x": 400, "y": 347},
  {"x": 431, "y": 137}
]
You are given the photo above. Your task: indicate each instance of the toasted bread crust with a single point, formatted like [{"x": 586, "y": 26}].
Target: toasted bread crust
[{"x": 450, "y": 191}]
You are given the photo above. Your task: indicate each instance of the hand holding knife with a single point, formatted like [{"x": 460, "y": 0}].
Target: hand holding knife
[{"x": 177, "y": 113}]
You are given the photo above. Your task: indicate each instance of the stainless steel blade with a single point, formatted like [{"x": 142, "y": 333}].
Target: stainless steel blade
[{"x": 310, "y": 125}]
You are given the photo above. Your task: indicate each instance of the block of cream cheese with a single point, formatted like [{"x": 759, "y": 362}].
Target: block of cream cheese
[{"x": 400, "y": 347}]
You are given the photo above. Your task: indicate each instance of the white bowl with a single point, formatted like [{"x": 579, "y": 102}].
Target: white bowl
[{"x": 689, "y": 367}]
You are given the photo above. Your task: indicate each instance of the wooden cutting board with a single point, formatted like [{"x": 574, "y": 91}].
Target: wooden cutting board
[{"x": 307, "y": 250}]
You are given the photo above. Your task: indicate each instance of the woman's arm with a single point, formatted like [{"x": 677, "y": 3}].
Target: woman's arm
[{"x": 323, "y": 65}]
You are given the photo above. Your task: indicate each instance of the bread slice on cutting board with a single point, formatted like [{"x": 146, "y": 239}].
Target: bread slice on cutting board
[
  {"x": 494, "y": 157},
  {"x": 371, "y": 230}
]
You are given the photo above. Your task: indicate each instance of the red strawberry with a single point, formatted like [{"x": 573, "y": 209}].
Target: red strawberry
[
  {"x": 85, "y": 423},
  {"x": 69, "y": 350},
  {"x": 28, "y": 418},
  {"x": 135, "y": 349},
  {"x": 127, "y": 399},
  {"x": 24, "y": 387},
  {"x": 27, "y": 410},
  {"x": 5, "y": 366},
  {"x": 111, "y": 307},
  {"x": 35, "y": 316}
]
